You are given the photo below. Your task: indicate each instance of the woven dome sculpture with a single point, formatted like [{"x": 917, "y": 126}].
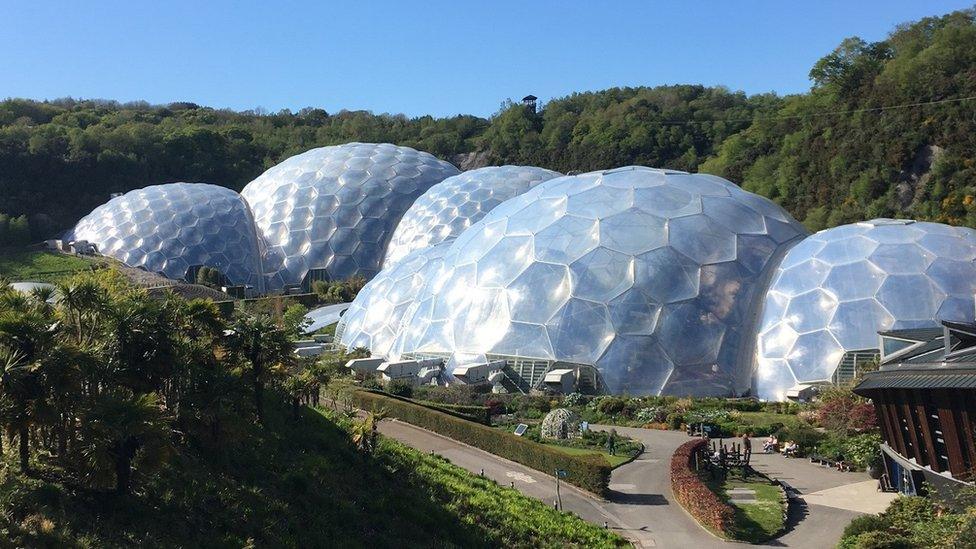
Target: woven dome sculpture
[{"x": 561, "y": 423}]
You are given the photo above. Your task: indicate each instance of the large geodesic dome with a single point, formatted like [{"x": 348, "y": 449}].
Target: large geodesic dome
[
  {"x": 451, "y": 206},
  {"x": 171, "y": 229},
  {"x": 650, "y": 276},
  {"x": 373, "y": 320},
  {"x": 834, "y": 291},
  {"x": 333, "y": 209}
]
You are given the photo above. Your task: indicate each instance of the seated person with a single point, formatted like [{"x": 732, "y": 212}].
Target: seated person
[
  {"x": 769, "y": 445},
  {"x": 791, "y": 449}
]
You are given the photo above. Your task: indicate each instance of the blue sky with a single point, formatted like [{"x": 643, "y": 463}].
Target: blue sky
[{"x": 434, "y": 57}]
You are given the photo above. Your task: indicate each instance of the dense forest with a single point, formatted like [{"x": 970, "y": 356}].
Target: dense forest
[{"x": 885, "y": 131}]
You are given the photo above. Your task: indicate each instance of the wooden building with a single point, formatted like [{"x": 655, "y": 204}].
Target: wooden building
[{"x": 925, "y": 397}]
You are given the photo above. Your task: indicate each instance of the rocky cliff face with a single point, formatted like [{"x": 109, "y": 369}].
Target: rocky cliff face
[
  {"x": 912, "y": 182},
  {"x": 471, "y": 160}
]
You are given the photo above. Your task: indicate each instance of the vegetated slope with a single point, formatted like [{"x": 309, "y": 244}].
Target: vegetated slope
[
  {"x": 60, "y": 159},
  {"x": 290, "y": 485},
  {"x": 918, "y": 161}
]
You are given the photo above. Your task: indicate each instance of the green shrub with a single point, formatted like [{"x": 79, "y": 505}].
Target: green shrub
[
  {"x": 574, "y": 399},
  {"x": 480, "y": 414},
  {"x": 675, "y": 421},
  {"x": 806, "y": 437},
  {"x": 861, "y": 450},
  {"x": 400, "y": 388},
  {"x": 882, "y": 540},
  {"x": 765, "y": 429},
  {"x": 590, "y": 472},
  {"x": 905, "y": 512},
  {"x": 863, "y": 524},
  {"x": 611, "y": 406}
]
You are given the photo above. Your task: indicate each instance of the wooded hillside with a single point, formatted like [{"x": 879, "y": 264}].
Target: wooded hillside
[{"x": 834, "y": 155}]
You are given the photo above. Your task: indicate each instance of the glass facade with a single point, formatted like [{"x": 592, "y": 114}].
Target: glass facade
[
  {"x": 451, "y": 206},
  {"x": 335, "y": 208},
  {"x": 653, "y": 276},
  {"x": 835, "y": 291},
  {"x": 174, "y": 229}
]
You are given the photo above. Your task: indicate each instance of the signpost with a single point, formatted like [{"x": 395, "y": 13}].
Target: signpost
[{"x": 560, "y": 473}]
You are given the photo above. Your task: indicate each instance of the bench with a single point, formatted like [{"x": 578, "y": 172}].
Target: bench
[
  {"x": 822, "y": 460},
  {"x": 840, "y": 465}
]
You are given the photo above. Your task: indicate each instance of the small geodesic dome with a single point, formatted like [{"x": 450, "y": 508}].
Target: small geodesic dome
[
  {"x": 561, "y": 423},
  {"x": 834, "y": 291},
  {"x": 175, "y": 228},
  {"x": 451, "y": 206}
]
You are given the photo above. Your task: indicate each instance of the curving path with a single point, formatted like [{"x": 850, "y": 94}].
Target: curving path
[{"x": 640, "y": 505}]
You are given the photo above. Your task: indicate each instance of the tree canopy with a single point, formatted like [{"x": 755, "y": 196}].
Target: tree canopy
[{"x": 830, "y": 156}]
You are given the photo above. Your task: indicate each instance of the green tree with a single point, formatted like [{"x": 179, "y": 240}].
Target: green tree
[
  {"x": 262, "y": 348},
  {"x": 120, "y": 429}
]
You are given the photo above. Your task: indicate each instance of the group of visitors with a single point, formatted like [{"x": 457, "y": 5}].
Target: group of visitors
[{"x": 771, "y": 445}]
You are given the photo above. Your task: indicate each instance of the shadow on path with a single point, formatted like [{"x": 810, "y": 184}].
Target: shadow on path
[
  {"x": 797, "y": 511},
  {"x": 636, "y": 499}
]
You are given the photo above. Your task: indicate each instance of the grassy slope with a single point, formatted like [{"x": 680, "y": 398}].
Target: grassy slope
[
  {"x": 39, "y": 266},
  {"x": 293, "y": 484},
  {"x": 614, "y": 460}
]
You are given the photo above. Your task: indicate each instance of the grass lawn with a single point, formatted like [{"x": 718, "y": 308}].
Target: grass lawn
[
  {"x": 39, "y": 265},
  {"x": 765, "y": 418},
  {"x": 757, "y": 521},
  {"x": 614, "y": 461}
]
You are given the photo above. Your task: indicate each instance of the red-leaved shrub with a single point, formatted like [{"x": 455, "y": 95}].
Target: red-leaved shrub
[{"x": 693, "y": 495}]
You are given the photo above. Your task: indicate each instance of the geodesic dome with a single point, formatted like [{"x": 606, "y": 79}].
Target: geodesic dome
[
  {"x": 652, "y": 276},
  {"x": 451, "y": 206},
  {"x": 836, "y": 289},
  {"x": 560, "y": 423},
  {"x": 171, "y": 228},
  {"x": 333, "y": 209},
  {"x": 373, "y": 319}
]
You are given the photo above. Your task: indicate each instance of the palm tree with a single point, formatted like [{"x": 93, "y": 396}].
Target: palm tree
[
  {"x": 262, "y": 347},
  {"x": 25, "y": 339},
  {"x": 83, "y": 303},
  {"x": 121, "y": 428},
  {"x": 364, "y": 432},
  {"x": 140, "y": 349}
]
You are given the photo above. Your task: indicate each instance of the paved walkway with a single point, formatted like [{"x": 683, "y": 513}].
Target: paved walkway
[{"x": 640, "y": 505}]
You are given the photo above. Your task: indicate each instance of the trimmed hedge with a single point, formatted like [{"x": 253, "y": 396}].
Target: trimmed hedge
[
  {"x": 589, "y": 472},
  {"x": 481, "y": 414},
  {"x": 694, "y": 496}
]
